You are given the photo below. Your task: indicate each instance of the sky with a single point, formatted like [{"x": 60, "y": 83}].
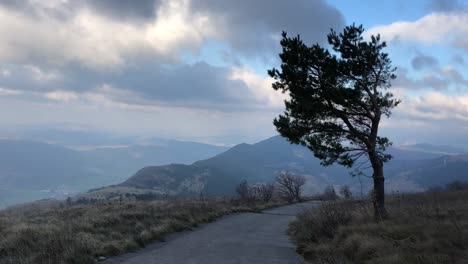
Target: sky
[{"x": 196, "y": 70}]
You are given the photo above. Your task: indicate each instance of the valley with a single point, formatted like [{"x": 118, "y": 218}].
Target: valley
[{"x": 33, "y": 170}]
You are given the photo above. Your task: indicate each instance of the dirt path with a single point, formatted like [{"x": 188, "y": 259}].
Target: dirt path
[{"x": 242, "y": 238}]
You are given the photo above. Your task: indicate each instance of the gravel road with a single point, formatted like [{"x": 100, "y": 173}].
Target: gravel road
[{"x": 240, "y": 238}]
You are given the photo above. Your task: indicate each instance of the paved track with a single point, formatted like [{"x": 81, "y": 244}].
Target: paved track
[{"x": 241, "y": 238}]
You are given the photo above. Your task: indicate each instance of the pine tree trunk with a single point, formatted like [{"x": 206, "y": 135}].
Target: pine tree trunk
[{"x": 379, "y": 189}]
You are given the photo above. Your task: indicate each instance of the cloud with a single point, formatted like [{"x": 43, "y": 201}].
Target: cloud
[
  {"x": 97, "y": 41},
  {"x": 445, "y": 5},
  {"x": 431, "y": 117},
  {"x": 458, "y": 59},
  {"x": 251, "y": 27},
  {"x": 428, "y": 81},
  {"x": 123, "y": 9},
  {"x": 435, "y": 28},
  {"x": 199, "y": 85},
  {"x": 116, "y": 65},
  {"x": 106, "y": 34},
  {"x": 64, "y": 96},
  {"x": 41, "y": 75},
  {"x": 259, "y": 86},
  {"x": 423, "y": 61},
  {"x": 5, "y": 73},
  {"x": 436, "y": 106},
  {"x": 98, "y": 111},
  {"x": 5, "y": 91},
  {"x": 439, "y": 78}
]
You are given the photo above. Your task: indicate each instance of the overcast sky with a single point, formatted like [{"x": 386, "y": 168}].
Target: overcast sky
[{"x": 196, "y": 70}]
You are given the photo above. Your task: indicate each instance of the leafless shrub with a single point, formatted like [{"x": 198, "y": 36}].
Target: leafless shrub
[
  {"x": 456, "y": 186},
  {"x": 290, "y": 186},
  {"x": 345, "y": 191},
  {"x": 264, "y": 192},
  {"x": 313, "y": 225},
  {"x": 243, "y": 190},
  {"x": 329, "y": 194}
]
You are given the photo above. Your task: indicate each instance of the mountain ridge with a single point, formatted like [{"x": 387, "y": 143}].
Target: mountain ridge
[{"x": 261, "y": 161}]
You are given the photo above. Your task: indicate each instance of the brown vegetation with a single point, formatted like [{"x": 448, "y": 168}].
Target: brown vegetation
[
  {"x": 64, "y": 233},
  {"x": 289, "y": 186},
  {"x": 429, "y": 227}
]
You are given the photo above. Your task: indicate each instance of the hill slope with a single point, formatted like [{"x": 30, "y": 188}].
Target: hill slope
[{"x": 411, "y": 170}]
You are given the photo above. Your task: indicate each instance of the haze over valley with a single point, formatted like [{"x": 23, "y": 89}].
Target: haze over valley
[{"x": 67, "y": 166}]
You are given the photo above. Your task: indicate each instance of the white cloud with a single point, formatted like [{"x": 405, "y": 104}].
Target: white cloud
[
  {"x": 97, "y": 41},
  {"x": 432, "y": 107},
  {"x": 435, "y": 28},
  {"x": 64, "y": 96},
  {"x": 259, "y": 86},
  {"x": 4, "y": 91},
  {"x": 41, "y": 75},
  {"x": 98, "y": 111},
  {"x": 429, "y": 117},
  {"x": 5, "y": 73}
]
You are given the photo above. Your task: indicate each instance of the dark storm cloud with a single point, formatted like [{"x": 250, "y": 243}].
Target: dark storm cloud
[
  {"x": 198, "y": 85},
  {"x": 251, "y": 25},
  {"x": 423, "y": 61}
]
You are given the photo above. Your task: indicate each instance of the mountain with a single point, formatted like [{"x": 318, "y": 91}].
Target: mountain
[
  {"x": 260, "y": 162},
  {"x": 435, "y": 149},
  {"x": 34, "y": 170},
  {"x": 163, "y": 152},
  {"x": 433, "y": 172},
  {"x": 219, "y": 175}
]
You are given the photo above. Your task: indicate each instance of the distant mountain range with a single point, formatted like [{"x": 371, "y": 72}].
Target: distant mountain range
[
  {"x": 414, "y": 168},
  {"x": 32, "y": 170}
]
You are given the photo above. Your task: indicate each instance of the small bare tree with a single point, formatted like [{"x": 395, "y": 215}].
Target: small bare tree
[
  {"x": 345, "y": 191},
  {"x": 243, "y": 190},
  {"x": 290, "y": 186},
  {"x": 329, "y": 193},
  {"x": 264, "y": 191}
]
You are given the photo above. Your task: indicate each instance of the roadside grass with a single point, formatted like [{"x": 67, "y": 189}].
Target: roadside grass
[
  {"x": 428, "y": 227},
  {"x": 56, "y": 233}
]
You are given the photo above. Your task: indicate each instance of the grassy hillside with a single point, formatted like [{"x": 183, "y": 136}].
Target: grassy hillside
[
  {"x": 53, "y": 232},
  {"x": 423, "y": 228}
]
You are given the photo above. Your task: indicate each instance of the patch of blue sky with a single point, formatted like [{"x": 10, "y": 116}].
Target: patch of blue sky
[
  {"x": 212, "y": 52},
  {"x": 372, "y": 13},
  {"x": 219, "y": 54}
]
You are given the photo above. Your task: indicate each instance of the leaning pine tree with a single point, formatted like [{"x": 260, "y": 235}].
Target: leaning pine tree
[{"x": 337, "y": 99}]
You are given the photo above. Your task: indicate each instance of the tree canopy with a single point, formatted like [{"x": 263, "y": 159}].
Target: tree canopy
[{"x": 337, "y": 97}]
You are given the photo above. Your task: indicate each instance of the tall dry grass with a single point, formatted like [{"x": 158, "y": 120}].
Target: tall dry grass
[
  {"x": 81, "y": 233},
  {"x": 423, "y": 228}
]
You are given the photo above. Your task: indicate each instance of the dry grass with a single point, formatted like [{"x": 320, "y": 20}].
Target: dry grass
[
  {"x": 423, "y": 228},
  {"x": 80, "y": 233}
]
